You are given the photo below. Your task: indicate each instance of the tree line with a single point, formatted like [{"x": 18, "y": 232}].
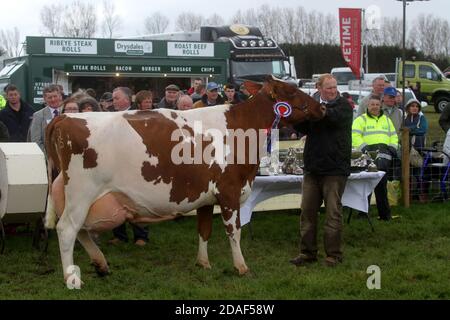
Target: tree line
[{"x": 427, "y": 34}]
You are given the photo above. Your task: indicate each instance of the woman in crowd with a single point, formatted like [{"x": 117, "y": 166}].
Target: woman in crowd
[
  {"x": 144, "y": 100},
  {"x": 417, "y": 124}
]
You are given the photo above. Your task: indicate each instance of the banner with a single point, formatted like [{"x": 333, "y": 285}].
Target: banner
[{"x": 350, "y": 36}]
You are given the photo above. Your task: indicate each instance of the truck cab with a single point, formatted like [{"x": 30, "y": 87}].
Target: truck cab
[
  {"x": 252, "y": 55},
  {"x": 433, "y": 83}
]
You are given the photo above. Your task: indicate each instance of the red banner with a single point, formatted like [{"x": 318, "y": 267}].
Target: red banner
[{"x": 350, "y": 35}]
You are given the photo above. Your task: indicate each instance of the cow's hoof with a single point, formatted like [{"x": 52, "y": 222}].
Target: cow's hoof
[
  {"x": 243, "y": 270},
  {"x": 101, "y": 270},
  {"x": 204, "y": 265}
]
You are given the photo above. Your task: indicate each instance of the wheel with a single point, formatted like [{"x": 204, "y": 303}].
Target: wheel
[
  {"x": 40, "y": 236},
  {"x": 440, "y": 103},
  {"x": 2, "y": 237}
]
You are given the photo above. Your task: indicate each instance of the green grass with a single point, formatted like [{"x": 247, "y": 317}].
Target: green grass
[{"x": 412, "y": 252}]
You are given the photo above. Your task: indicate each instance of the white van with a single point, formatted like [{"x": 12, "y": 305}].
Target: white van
[{"x": 343, "y": 75}]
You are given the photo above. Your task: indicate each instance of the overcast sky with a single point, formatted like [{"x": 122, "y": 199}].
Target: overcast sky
[{"x": 24, "y": 14}]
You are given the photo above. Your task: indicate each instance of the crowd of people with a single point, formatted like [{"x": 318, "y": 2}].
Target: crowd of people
[{"x": 327, "y": 152}]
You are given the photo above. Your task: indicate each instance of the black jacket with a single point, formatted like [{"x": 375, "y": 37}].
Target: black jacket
[
  {"x": 17, "y": 123},
  {"x": 328, "y": 145}
]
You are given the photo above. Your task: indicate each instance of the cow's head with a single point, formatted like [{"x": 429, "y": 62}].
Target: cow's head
[{"x": 283, "y": 95}]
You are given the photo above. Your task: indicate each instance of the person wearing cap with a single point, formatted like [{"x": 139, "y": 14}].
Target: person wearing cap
[
  {"x": 171, "y": 97},
  {"x": 106, "y": 102},
  {"x": 374, "y": 131},
  {"x": 377, "y": 89},
  {"x": 88, "y": 104},
  {"x": 211, "y": 98},
  {"x": 390, "y": 108}
]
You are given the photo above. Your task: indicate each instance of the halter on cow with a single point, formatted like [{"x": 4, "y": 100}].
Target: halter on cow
[{"x": 120, "y": 166}]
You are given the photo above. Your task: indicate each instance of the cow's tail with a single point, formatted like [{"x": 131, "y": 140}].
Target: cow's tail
[{"x": 52, "y": 168}]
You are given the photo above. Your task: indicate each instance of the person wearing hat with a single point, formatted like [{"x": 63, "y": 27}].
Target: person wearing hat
[
  {"x": 171, "y": 97},
  {"x": 417, "y": 124},
  {"x": 106, "y": 102},
  {"x": 211, "y": 97},
  {"x": 390, "y": 108}
]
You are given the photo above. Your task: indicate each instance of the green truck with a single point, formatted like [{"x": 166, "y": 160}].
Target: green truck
[{"x": 433, "y": 83}]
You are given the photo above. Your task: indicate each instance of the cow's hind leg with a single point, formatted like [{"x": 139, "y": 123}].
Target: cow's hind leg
[
  {"x": 97, "y": 257},
  {"x": 67, "y": 228},
  {"x": 204, "y": 226},
  {"x": 231, "y": 220}
]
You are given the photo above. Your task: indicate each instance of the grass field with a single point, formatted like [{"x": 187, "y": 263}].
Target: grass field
[{"x": 412, "y": 253}]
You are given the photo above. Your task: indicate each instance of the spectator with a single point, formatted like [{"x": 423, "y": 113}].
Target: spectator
[
  {"x": 390, "y": 108},
  {"x": 327, "y": 157},
  {"x": 211, "y": 98},
  {"x": 375, "y": 131},
  {"x": 444, "y": 119},
  {"x": 170, "y": 99},
  {"x": 417, "y": 124},
  {"x": 144, "y": 100},
  {"x": 16, "y": 115},
  {"x": 122, "y": 97},
  {"x": 53, "y": 108},
  {"x": 70, "y": 105},
  {"x": 106, "y": 102},
  {"x": 185, "y": 103},
  {"x": 63, "y": 94},
  {"x": 198, "y": 93},
  {"x": 88, "y": 104},
  {"x": 197, "y": 82},
  {"x": 377, "y": 89},
  {"x": 92, "y": 93},
  {"x": 231, "y": 97}
]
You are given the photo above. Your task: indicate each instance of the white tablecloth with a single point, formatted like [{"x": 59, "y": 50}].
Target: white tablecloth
[{"x": 358, "y": 187}]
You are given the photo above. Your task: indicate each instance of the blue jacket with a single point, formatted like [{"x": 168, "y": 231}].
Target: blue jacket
[
  {"x": 418, "y": 127},
  {"x": 17, "y": 122}
]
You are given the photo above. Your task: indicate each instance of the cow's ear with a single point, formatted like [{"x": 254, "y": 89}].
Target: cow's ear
[{"x": 252, "y": 87}]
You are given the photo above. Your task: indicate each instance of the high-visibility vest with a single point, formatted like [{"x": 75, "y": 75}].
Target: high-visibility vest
[
  {"x": 370, "y": 130},
  {"x": 2, "y": 102}
]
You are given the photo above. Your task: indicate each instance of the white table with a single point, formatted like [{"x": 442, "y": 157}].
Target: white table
[{"x": 358, "y": 187}]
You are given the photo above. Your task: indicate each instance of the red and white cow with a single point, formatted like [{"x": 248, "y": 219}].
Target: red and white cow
[{"x": 119, "y": 166}]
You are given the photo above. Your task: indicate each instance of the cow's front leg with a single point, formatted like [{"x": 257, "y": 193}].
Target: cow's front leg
[
  {"x": 204, "y": 227},
  {"x": 231, "y": 220}
]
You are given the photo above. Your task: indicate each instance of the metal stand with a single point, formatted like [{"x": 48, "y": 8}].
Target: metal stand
[
  {"x": 40, "y": 236},
  {"x": 366, "y": 215}
]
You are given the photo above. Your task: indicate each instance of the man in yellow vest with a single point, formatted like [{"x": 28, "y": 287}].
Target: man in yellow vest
[
  {"x": 374, "y": 131},
  {"x": 2, "y": 102}
]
